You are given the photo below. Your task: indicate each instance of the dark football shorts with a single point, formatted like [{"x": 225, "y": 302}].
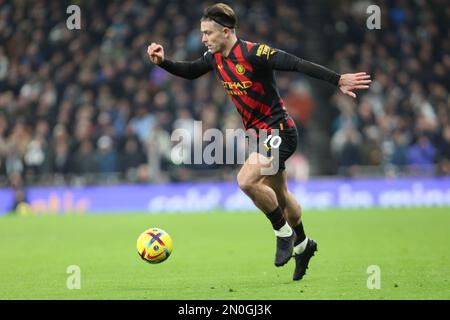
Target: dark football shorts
[{"x": 280, "y": 146}]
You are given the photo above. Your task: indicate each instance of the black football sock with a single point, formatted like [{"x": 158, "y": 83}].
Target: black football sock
[
  {"x": 300, "y": 233},
  {"x": 276, "y": 218}
]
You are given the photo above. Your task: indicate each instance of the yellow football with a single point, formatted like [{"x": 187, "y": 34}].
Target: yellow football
[{"x": 154, "y": 245}]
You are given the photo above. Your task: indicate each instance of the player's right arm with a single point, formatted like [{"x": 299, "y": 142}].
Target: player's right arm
[{"x": 184, "y": 69}]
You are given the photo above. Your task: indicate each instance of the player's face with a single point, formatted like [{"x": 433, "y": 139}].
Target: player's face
[{"x": 213, "y": 36}]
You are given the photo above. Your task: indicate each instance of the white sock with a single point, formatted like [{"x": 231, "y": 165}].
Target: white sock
[
  {"x": 285, "y": 231},
  {"x": 301, "y": 246}
]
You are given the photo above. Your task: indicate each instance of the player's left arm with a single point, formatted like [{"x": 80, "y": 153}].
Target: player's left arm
[{"x": 280, "y": 60}]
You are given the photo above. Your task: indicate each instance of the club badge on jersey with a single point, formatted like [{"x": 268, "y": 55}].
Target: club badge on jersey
[{"x": 240, "y": 69}]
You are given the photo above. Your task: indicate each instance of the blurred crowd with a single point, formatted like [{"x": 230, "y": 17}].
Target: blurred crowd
[
  {"x": 402, "y": 124},
  {"x": 77, "y": 106},
  {"x": 82, "y": 105}
]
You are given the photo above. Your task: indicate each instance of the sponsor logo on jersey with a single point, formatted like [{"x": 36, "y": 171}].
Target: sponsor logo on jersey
[
  {"x": 264, "y": 51},
  {"x": 237, "y": 88}
]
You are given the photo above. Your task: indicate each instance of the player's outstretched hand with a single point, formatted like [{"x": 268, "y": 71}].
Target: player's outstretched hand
[
  {"x": 156, "y": 53},
  {"x": 354, "y": 81}
]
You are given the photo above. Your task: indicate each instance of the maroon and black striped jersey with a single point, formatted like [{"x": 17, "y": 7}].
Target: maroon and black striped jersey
[{"x": 247, "y": 75}]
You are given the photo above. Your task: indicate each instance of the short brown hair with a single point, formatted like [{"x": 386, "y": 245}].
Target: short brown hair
[{"x": 221, "y": 13}]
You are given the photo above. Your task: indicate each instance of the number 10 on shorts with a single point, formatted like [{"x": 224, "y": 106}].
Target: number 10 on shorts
[{"x": 274, "y": 141}]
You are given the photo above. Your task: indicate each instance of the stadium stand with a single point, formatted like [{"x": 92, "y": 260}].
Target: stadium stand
[{"x": 86, "y": 106}]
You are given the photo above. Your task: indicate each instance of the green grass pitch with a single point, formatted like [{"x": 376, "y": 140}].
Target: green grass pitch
[{"x": 222, "y": 255}]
